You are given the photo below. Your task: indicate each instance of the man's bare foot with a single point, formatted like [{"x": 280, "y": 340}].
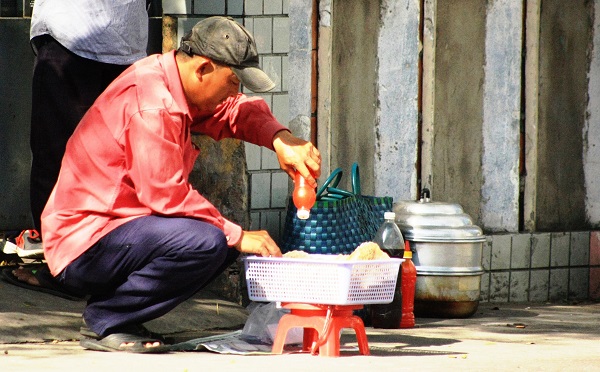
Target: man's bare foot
[
  {"x": 26, "y": 275},
  {"x": 147, "y": 344},
  {"x": 124, "y": 342},
  {"x": 37, "y": 277}
]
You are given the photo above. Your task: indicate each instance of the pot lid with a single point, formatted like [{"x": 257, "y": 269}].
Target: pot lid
[{"x": 427, "y": 221}]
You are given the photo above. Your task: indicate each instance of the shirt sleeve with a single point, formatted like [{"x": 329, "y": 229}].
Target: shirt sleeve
[
  {"x": 242, "y": 117},
  {"x": 159, "y": 165}
]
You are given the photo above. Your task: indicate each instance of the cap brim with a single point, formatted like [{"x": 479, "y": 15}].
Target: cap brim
[{"x": 254, "y": 79}]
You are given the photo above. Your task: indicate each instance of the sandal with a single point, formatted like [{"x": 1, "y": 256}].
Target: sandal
[
  {"x": 48, "y": 284},
  {"x": 124, "y": 342},
  {"x": 137, "y": 330}
]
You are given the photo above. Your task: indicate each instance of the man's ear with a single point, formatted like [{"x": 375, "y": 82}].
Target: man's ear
[{"x": 203, "y": 67}]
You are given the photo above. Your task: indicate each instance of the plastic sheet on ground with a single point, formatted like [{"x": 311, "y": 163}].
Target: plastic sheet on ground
[{"x": 228, "y": 343}]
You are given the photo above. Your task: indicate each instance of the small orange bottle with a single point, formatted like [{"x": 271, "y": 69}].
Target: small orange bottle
[
  {"x": 304, "y": 196},
  {"x": 409, "y": 281}
]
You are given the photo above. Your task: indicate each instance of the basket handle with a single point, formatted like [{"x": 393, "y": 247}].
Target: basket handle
[
  {"x": 330, "y": 185},
  {"x": 338, "y": 193},
  {"x": 333, "y": 180},
  {"x": 355, "y": 179}
]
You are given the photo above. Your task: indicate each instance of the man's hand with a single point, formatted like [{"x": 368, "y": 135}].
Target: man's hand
[
  {"x": 296, "y": 154},
  {"x": 258, "y": 243}
]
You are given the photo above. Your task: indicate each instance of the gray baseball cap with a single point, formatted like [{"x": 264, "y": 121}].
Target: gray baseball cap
[{"x": 225, "y": 41}]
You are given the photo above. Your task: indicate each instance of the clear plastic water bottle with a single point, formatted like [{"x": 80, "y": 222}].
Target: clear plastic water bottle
[{"x": 389, "y": 237}]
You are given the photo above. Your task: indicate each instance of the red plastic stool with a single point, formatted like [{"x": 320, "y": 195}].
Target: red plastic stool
[{"x": 322, "y": 326}]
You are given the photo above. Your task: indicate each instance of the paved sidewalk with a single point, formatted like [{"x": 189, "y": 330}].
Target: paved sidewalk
[{"x": 40, "y": 332}]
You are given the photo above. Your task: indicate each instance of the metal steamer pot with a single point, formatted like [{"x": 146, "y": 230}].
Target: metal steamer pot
[{"x": 447, "y": 250}]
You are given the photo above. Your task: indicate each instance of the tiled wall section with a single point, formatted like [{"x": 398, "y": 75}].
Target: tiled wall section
[
  {"x": 541, "y": 267},
  {"x": 269, "y": 23}
]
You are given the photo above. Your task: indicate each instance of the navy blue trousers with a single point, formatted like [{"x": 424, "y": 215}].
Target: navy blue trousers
[{"x": 145, "y": 268}]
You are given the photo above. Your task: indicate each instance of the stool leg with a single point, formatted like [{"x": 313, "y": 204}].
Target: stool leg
[
  {"x": 282, "y": 329},
  {"x": 361, "y": 335},
  {"x": 292, "y": 320},
  {"x": 310, "y": 335},
  {"x": 333, "y": 344},
  {"x": 331, "y": 347}
]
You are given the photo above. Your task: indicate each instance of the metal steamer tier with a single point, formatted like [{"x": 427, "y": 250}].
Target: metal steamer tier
[{"x": 447, "y": 251}]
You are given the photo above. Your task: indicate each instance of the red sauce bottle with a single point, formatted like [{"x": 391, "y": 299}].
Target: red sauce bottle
[
  {"x": 409, "y": 281},
  {"x": 304, "y": 196}
]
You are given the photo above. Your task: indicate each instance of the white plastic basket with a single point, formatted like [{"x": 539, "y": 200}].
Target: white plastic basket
[{"x": 321, "y": 279}]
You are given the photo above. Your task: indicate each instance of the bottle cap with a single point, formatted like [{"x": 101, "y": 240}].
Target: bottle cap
[
  {"x": 407, "y": 251},
  {"x": 389, "y": 215},
  {"x": 303, "y": 214}
]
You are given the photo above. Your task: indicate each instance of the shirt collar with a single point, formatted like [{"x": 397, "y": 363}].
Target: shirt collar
[{"x": 174, "y": 82}]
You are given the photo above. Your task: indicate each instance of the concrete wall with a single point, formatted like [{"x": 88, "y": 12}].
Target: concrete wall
[
  {"x": 471, "y": 108},
  {"x": 565, "y": 40},
  {"x": 456, "y": 174},
  {"x": 501, "y": 129},
  {"x": 301, "y": 73},
  {"x": 471, "y": 94},
  {"x": 561, "y": 187},
  {"x": 396, "y": 145},
  {"x": 591, "y": 131},
  {"x": 475, "y": 131},
  {"x": 508, "y": 169},
  {"x": 353, "y": 88},
  {"x": 372, "y": 94}
]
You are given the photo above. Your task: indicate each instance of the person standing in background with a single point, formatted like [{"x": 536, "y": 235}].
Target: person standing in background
[{"x": 80, "y": 47}]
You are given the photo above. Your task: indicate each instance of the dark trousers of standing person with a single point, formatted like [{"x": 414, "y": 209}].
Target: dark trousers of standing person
[
  {"x": 145, "y": 268},
  {"x": 64, "y": 87}
]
